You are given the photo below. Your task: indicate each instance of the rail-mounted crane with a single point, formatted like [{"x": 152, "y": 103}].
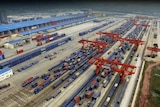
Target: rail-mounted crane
[
  {"x": 153, "y": 49},
  {"x": 100, "y": 62},
  {"x": 99, "y": 45}
]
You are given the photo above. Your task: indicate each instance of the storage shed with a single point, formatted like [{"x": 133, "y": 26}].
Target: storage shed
[
  {"x": 5, "y": 73},
  {"x": 14, "y": 43}
]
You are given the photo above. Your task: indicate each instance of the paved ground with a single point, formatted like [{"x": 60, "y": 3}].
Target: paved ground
[{"x": 144, "y": 98}]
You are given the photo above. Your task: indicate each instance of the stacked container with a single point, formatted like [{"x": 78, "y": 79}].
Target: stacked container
[
  {"x": 1, "y": 55},
  {"x": 89, "y": 94},
  {"x": 19, "y": 51}
]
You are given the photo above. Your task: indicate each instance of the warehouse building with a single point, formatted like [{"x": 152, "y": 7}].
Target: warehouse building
[
  {"x": 5, "y": 73},
  {"x": 39, "y": 23}
]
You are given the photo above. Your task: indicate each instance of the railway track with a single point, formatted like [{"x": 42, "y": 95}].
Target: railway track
[{"x": 43, "y": 95}]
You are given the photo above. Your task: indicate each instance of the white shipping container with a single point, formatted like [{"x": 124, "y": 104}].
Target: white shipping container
[
  {"x": 104, "y": 81},
  {"x": 51, "y": 38},
  {"x": 108, "y": 99},
  {"x": 115, "y": 85},
  {"x": 78, "y": 59},
  {"x": 77, "y": 74}
]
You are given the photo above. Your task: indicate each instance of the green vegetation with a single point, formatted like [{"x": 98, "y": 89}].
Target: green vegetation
[
  {"x": 141, "y": 83},
  {"x": 155, "y": 88}
]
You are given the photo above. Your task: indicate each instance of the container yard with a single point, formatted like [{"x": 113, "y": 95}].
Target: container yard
[{"x": 76, "y": 60}]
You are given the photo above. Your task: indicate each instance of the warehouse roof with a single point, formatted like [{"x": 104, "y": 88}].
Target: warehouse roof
[
  {"x": 13, "y": 26},
  {"x": 54, "y": 26},
  {"x": 15, "y": 41},
  {"x": 4, "y": 70}
]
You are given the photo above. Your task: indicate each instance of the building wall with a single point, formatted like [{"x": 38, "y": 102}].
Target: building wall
[
  {"x": 3, "y": 17},
  {"x": 6, "y": 75}
]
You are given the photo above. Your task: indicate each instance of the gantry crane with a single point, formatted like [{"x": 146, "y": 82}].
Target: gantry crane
[
  {"x": 99, "y": 45},
  {"x": 132, "y": 41},
  {"x": 144, "y": 25},
  {"x": 112, "y": 35},
  {"x": 100, "y": 62},
  {"x": 153, "y": 49}
]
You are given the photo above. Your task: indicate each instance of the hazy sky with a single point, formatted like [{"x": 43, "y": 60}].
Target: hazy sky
[{"x": 110, "y": 6}]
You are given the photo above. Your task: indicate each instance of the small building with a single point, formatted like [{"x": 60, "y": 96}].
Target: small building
[
  {"x": 5, "y": 73},
  {"x": 14, "y": 43}
]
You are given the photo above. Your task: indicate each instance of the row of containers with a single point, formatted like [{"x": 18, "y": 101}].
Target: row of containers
[
  {"x": 27, "y": 66},
  {"x": 95, "y": 28},
  {"x": 2, "y": 56},
  {"x": 67, "y": 65},
  {"x": 49, "y": 38},
  {"x": 124, "y": 28},
  {"x": 48, "y": 79},
  {"x": 34, "y": 53},
  {"x": 42, "y": 37},
  {"x": 89, "y": 93}
]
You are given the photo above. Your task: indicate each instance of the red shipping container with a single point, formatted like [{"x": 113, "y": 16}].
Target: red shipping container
[
  {"x": 89, "y": 94},
  {"x": 47, "y": 41},
  {"x": 27, "y": 80},
  {"x": 93, "y": 82},
  {"x": 19, "y": 51},
  {"x": 0, "y": 52},
  {"x": 76, "y": 99}
]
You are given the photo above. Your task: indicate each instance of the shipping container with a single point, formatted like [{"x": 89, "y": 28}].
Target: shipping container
[
  {"x": 29, "y": 80},
  {"x": 65, "y": 77},
  {"x": 66, "y": 85},
  {"x": 48, "y": 98},
  {"x": 56, "y": 93},
  {"x": 98, "y": 78},
  {"x": 72, "y": 104},
  {"x": 57, "y": 84},
  {"x": 34, "y": 85},
  {"x": 88, "y": 94},
  {"x": 96, "y": 95},
  {"x": 76, "y": 99},
  {"x": 93, "y": 82},
  {"x": 1, "y": 52},
  {"x": 35, "y": 62},
  {"x": 2, "y": 56}
]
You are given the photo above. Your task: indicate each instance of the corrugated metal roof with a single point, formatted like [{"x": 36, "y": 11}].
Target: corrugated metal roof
[
  {"x": 54, "y": 26},
  {"x": 4, "y": 70},
  {"x": 13, "y": 26},
  {"x": 15, "y": 41}
]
